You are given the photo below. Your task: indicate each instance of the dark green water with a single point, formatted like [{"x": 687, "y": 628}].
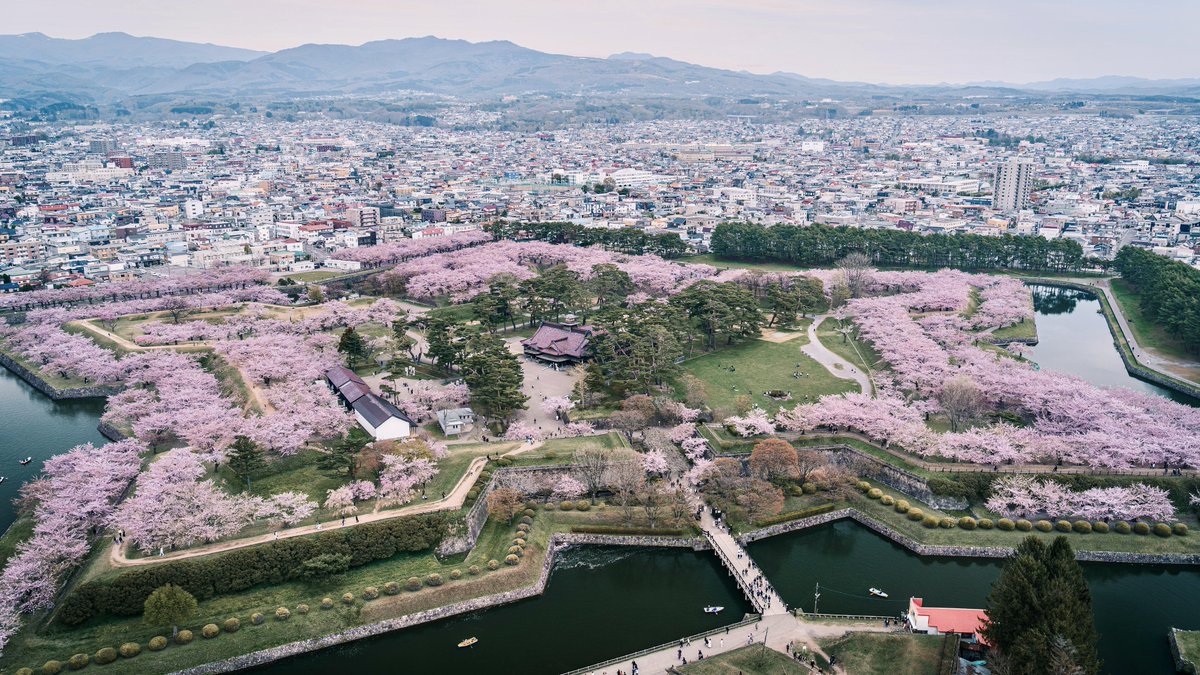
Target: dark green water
[
  {"x": 601, "y": 603},
  {"x": 1134, "y": 605},
  {"x": 32, "y": 425}
]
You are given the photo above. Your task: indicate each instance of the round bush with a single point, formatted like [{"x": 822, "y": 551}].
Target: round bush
[
  {"x": 302, "y": 608},
  {"x": 183, "y": 637},
  {"x": 370, "y": 593},
  {"x": 233, "y": 625},
  {"x": 283, "y": 614},
  {"x": 863, "y": 485},
  {"x": 1082, "y": 527},
  {"x": 1100, "y": 526},
  {"x": 493, "y": 564},
  {"x": 967, "y": 523},
  {"x": 473, "y": 493},
  {"x": 809, "y": 488},
  {"x": 530, "y": 505},
  {"x": 129, "y": 650},
  {"x": 887, "y": 500},
  {"x": 455, "y": 574},
  {"x": 548, "y": 506},
  {"x": 103, "y": 656},
  {"x": 1005, "y": 525},
  {"x": 79, "y": 661},
  {"x": 348, "y": 598},
  {"x": 915, "y": 514},
  {"x": 511, "y": 559},
  {"x": 434, "y": 579},
  {"x": 1062, "y": 525},
  {"x": 413, "y": 584},
  {"x": 257, "y": 618},
  {"x": 1024, "y": 525},
  {"x": 875, "y": 493},
  {"x": 1044, "y": 525},
  {"x": 51, "y": 667},
  {"x": 523, "y": 527},
  {"x": 1162, "y": 529},
  {"x": 986, "y": 524},
  {"x": 474, "y": 570},
  {"x": 24, "y": 671},
  {"x": 1141, "y": 528},
  {"x": 566, "y": 505},
  {"x": 1180, "y": 530},
  {"x": 526, "y": 520},
  {"x": 519, "y": 542},
  {"x": 529, "y": 512},
  {"x": 1122, "y": 527},
  {"x": 946, "y": 523},
  {"x": 583, "y": 505},
  {"x": 210, "y": 630},
  {"x": 515, "y": 550},
  {"x": 391, "y": 588},
  {"x": 930, "y": 521},
  {"x": 326, "y": 603},
  {"x": 157, "y": 643}
]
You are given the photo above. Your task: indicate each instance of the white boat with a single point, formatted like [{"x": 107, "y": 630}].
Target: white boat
[
  {"x": 712, "y": 609},
  {"x": 3, "y": 478},
  {"x": 25, "y": 461},
  {"x": 877, "y": 593},
  {"x": 468, "y": 642}
]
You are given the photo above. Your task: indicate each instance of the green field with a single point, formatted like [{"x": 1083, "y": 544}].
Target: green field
[
  {"x": 750, "y": 660},
  {"x": 315, "y": 275},
  {"x": 884, "y": 654},
  {"x": 1147, "y": 333},
  {"x": 1026, "y": 330}
]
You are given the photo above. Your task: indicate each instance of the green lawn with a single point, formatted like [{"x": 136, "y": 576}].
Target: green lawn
[
  {"x": 1147, "y": 333},
  {"x": 1026, "y": 330},
  {"x": 315, "y": 275},
  {"x": 884, "y": 654},
  {"x": 757, "y": 366},
  {"x": 710, "y": 259},
  {"x": 750, "y": 660},
  {"x": 19, "y": 531}
]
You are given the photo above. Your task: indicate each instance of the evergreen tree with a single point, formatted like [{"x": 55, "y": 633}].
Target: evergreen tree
[
  {"x": 169, "y": 606},
  {"x": 445, "y": 342},
  {"x": 342, "y": 457},
  {"x": 494, "y": 377},
  {"x": 244, "y": 458},
  {"x": 351, "y": 344}
]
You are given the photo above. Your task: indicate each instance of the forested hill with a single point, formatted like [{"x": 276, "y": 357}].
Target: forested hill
[
  {"x": 1168, "y": 292},
  {"x": 823, "y": 245}
]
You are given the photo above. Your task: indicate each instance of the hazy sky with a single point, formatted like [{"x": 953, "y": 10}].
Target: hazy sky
[{"x": 895, "y": 41}]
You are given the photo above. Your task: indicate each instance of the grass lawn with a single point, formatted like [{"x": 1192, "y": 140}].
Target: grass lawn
[
  {"x": 883, "y": 654},
  {"x": 1189, "y": 647},
  {"x": 1148, "y": 333},
  {"x": 315, "y": 275},
  {"x": 724, "y": 442},
  {"x": 456, "y": 313},
  {"x": 610, "y": 441},
  {"x": 19, "y": 531},
  {"x": 759, "y": 366},
  {"x": 1026, "y": 330},
  {"x": 710, "y": 259},
  {"x": 751, "y": 660}
]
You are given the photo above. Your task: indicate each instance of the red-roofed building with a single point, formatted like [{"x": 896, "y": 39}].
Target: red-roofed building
[
  {"x": 946, "y": 620},
  {"x": 559, "y": 343}
]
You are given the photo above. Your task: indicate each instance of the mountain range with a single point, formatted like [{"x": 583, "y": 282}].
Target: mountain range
[{"x": 108, "y": 66}]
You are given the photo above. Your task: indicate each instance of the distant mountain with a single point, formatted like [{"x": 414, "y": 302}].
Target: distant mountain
[
  {"x": 117, "y": 50},
  {"x": 1107, "y": 84}
]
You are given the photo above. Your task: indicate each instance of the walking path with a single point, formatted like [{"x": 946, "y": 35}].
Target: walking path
[
  {"x": 452, "y": 501},
  {"x": 835, "y": 364},
  {"x": 742, "y": 568}
]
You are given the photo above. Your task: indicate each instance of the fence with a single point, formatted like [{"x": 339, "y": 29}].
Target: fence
[{"x": 750, "y": 618}]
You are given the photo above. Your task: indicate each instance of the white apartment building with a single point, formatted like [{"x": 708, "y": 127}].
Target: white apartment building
[{"x": 1013, "y": 185}]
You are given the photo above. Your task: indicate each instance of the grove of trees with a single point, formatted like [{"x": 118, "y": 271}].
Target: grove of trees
[{"x": 1168, "y": 292}]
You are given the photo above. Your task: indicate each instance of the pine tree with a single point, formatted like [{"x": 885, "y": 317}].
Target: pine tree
[
  {"x": 351, "y": 344},
  {"x": 244, "y": 458}
]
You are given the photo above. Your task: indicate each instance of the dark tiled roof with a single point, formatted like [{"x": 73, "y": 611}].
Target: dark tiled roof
[
  {"x": 339, "y": 375},
  {"x": 558, "y": 340},
  {"x": 376, "y": 411},
  {"x": 353, "y": 391}
]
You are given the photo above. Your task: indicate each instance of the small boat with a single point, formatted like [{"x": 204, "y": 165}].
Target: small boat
[
  {"x": 877, "y": 593},
  {"x": 3, "y": 478},
  {"x": 26, "y": 461},
  {"x": 712, "y": 609},
  {"x": 468, "y": 642}
]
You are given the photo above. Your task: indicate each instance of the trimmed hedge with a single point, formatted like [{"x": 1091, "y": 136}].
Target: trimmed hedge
[
  {"x": 946, "y": 523},
  {"x": 326, "y": 603},
  {"x": 104, "y": 656},
  {"x": 615, "y": 529},
  {"x": 257, "y": 618},
  {"x": 493, "y": 564},
  {"x": 183, "y": 637},
  {"x": 157, "y": 643},
  {"x": 236, "y": 571},
  {"x": 391, "y": 588},
  {"x": 370, "y": 593},
  {"x": 302, "y": 608},
  {"x": 129, "y": 650},
  {"x": 474, "y": 570},
  {"x": 283, "y": 614},
  {"x": 1100, "y": 526},
  {"x": 52, "y": 667},
  {"x": 902, "y": 506},
  {"x": 794, "y": 515},
  {"x": 986, "y": 524},
  {"x": 1141, "y": 528},
  {"x": 1162, "y": 529},
  {"x": 210, "y": 630},
  {"x": 1063, "y": 525},
  {"x": 931, "y": 521},
  {"x": 967, "y": 523},
  {"x": 1082, "y": 527},
  {"x": 887, "y": 500},
  {"x": 1122, "y": 527},
  {"x": 79, "y": 661},
  {"x": 875, "y": 493},
  {"x": 915, "y": 514},
  {"x": 511, "y": 559},
  {"x": 232, "y": 625},
  {"x": 1180, "y": 529},
  {"x": 1005, "y": 525},
  {"x": 1044, "y": 525}
]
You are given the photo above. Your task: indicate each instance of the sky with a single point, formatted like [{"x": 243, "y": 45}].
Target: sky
[{"x": 892, "y": 41}]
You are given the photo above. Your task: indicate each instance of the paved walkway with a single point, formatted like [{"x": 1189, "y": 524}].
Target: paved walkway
[
  {"x": 741, "y": 567},
  {"x": 835, "y": 364}
]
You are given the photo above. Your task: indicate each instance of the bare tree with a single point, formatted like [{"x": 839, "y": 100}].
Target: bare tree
[
  {"x": 857, "y": 269},
  {"x": 177, "y": 308},
  {"x": 504, "y": 503},
  {"x": 681, "y": 508},
  {"x": 592, "y": 465},
  {"x": 626, "y": 479},
  {"x": 961, "y": 399},
  {"x": 652, "y": 499},
  {"x": 807, "y": 461}
]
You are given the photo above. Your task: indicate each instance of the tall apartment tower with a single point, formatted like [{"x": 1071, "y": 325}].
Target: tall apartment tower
[{"x": 1013, "y": 185}]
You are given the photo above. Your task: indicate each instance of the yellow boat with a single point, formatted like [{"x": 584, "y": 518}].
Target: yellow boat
[{"x": 468, "y": 642}]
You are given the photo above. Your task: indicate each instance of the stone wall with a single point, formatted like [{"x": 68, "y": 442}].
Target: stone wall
[
  {"x": 53, "y": 392},
  {"x": 898, "y": 479},
  {"x": 1182, "y": 665},
  {"x": 110, "y": 432}
]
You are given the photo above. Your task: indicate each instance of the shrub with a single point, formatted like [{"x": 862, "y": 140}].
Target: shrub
[
  {"x": 526, "y": 520},
  {"x": 370, "y": 593},
  {"x": 1005, "y": 525},
  {"x": 455, "y": 574},
  {"x": 1162, "y": 529},
  {"x": 302, "y": 608},
  {"x": 1062, "y": 525},
  {"x": 511, "y": 559},
  {"x": 519, "y": 542},
  {"x": 183, "y": 637},
  {"x": 413, "y": 584},
  {"x": 1100, "y": 526},
  {"x": 157, "y": 643},
  {"x": 129, "y": 650},
  {"x": 930, "y": 521},
  {"x": 875, "y": 493},
  {"x": 391, "y": 588},
  {"x": 566, "y": 505},
  {"x": 1122, "y": 527},
  {"x": 80, "y": 661},
  {"x": 967, "y": 523},
  {"x": 1044, "y": 525},
  {"x": 548, "y": 506},
  {"x": 902, "y": 506},
  {"x": 863, "y": 485},
  {"x": 530, "y": 505},
  {"x": 515, "y": 550},
  {"x": 51, "y": 668},
  {"x": 1082, "y": 527},
  {"x": 583, "y": 505},
  {"x": 233, "y": 625},
  {"x": 434, "y": 579},
  {"x": 473, "y": 493},
  {"x": 210, "y": 630},
  {"x": 326, "y": 603},
  {"x": 529, "y": 512},
  {"x": 493, "y": 564},
  {"x": 946, "y": 523},
  {"x": 474, "y": 570},
  {"x": 283, "y": 614},
  {"x": 104, "y": 656},
  {"x": 915, "y": 514},
  {"x": 1141, "y": 528},
  {"x": 25, "y": 671},
  {"x": 887, "y": 500},
  {"x": 1180, "y": 529},
  {"x": 348, "y": 598},
  {"x": 1024, "y": 525},
  {"x": 809, "y": 488},
  {"x": 523, "y": 527},
  {"x": 986, "y": 524},
  {"x": 257, "y": 618}
]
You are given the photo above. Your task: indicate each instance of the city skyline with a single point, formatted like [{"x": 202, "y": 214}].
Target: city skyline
[{"x": 880, "y": 41}]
